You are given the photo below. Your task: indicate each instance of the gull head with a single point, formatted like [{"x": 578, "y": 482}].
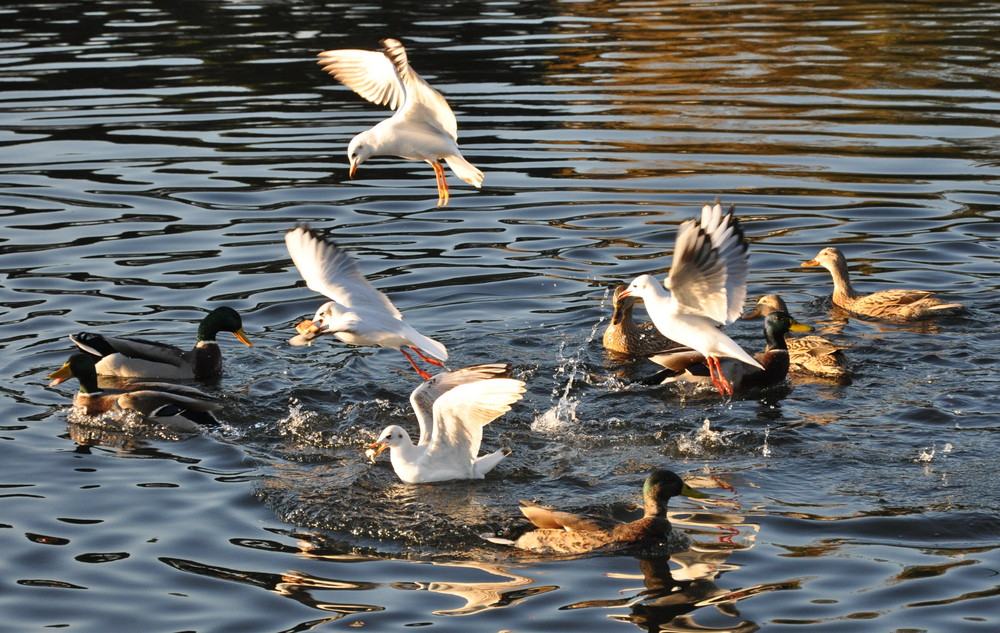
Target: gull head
[
  {"x": 327, "y": 320},
  {"x": 360, "y": 150},
  {"x": 391, "y": 437},
  {"x": 640, "y": 287}
]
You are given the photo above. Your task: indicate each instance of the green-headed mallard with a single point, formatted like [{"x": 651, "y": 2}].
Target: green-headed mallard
[
  {"x": 451, "y": 408},
  {"x": 690, "y": 366},
  {"x": 140, "y": 358},
  {"x": 707, "y": 287},
  {"x": 888, "y": 305},
  {"x": 624, "y": 336},
  {"x": 567, "y": 533},
  {"x": 813, "y": 354},
  {"x": 178, "y": 406}
]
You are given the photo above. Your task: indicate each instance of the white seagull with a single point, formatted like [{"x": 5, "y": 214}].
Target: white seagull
[
  {"x": 452, "y": 408},
  {"x": 423, "y": 126},
  {"x": 358, "y": 313},
  {"x": 707, "y": 285}
]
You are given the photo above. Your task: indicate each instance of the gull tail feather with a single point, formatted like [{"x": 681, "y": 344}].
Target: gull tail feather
[{"x": 465, "y": 170}]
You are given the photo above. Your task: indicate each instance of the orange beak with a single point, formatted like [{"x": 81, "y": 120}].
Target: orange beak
[
  {"x": 811, "y": 262},
  {"x": 354, "y": 168},
  {"x": 378, "y": 447},
  {"x": 242, "y": 336}
]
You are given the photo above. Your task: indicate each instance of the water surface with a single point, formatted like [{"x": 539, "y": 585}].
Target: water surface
[{"x": 152, "y": 155}]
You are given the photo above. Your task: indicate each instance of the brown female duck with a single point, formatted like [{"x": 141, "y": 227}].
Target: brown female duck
[
  {"x": 624, "y": 336},
  {"x": 887, "y": 305}
]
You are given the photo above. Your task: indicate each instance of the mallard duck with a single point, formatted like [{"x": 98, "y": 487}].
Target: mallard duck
[
  {"x": 889, "y": 305},
  {"x": 567, "y": 533},
  {"x": 690, "y": 366},
  {"x": 423, "y": 127},
  {"x": 358, "y": 313},
  {"x": 813, "y": 354},
  {"x": 451, "y": 408},
  {"x": 140, "y": 358},
  {"x": 624, "y": 336},
  {"x": 707, "y": 284},
  {"x": 178, "y": 406}
]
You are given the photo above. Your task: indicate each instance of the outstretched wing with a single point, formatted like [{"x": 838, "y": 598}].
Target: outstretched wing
[
  {"x": 423, "y": 397},
  {"x": 709, "y": 271},
  {"x": 371, "y": 74},
  {"x": 461, "y": 413},
  {"x": 331, "y": 272}
]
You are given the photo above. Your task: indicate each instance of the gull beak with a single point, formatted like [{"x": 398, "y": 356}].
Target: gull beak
[
  {"x": 625, "y": 293},
  {"x": 688, "y": 491},
  {"x": 242, "y": 336},
  {"x": 354, "y": 168},
  {"x": 60, "y": 375},
  {"x": 376, "y": 448}
]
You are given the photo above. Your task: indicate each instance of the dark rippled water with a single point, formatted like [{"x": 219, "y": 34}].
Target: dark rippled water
[{"x": 152, "y": 154}]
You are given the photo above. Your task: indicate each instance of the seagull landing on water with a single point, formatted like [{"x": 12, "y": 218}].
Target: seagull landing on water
[
  {"x": 452, "y": 408},
  {"x": 707, "y": 284},
  {"x": 423, "y": 127},
  {"x": 358, "y": 313}
]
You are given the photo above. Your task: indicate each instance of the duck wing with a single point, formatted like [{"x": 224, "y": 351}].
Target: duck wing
[
  {"x": 546, "y": 517},
  {"x": 137, "y": 348}
]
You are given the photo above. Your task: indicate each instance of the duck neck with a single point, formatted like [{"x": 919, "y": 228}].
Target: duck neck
[{"x": 842, "y": 288}]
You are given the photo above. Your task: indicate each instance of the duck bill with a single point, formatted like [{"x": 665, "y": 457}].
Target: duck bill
[
  {"x": 811, "y": 262},
  {"x": 688, "y": 491},
  {"x": 800, "y": 327},
  {"x": 60, "y": 375},
  {"x": 242, "y": 336}
]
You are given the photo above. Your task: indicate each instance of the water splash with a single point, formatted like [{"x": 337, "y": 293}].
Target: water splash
[
  {"x": 704, "y": 438},
  {"x": 570, "y": 370}
]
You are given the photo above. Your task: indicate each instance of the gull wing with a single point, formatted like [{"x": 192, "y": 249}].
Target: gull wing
[
  {"x": 461, "y": 413},
  {"x": 423, "y": 397},
  {"x": 426, "y": 102},
  {"x": 728, "y": 239},
  {"x": 331, "y": 272},
  {"x": 709, "y": 271},
  {"x": 371, "y": 74}
]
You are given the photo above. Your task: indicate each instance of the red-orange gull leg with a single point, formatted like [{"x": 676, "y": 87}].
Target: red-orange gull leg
[
  {"x": 423, "y": 374},
  {"x": 432, "y": 361},
  {"x": 442, "y": 183}
]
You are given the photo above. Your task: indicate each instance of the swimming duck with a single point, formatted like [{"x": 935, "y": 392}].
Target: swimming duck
[
  {"x": 451, "y": 408},
  {"x": 707, "y": 285},
  {"x": 357, "y": 314},
  {"x": 140, "y": 358},
  {"x": 567, "y": 533},
  {"x": 690, "y": 366},
  {"x": 813, "y": 354},
  {"x": 178, "y": 406},
  {"x": 423, "y": 126},
  {"x": 889, "y": 305},
  {"x": 624, "y": 336}
]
